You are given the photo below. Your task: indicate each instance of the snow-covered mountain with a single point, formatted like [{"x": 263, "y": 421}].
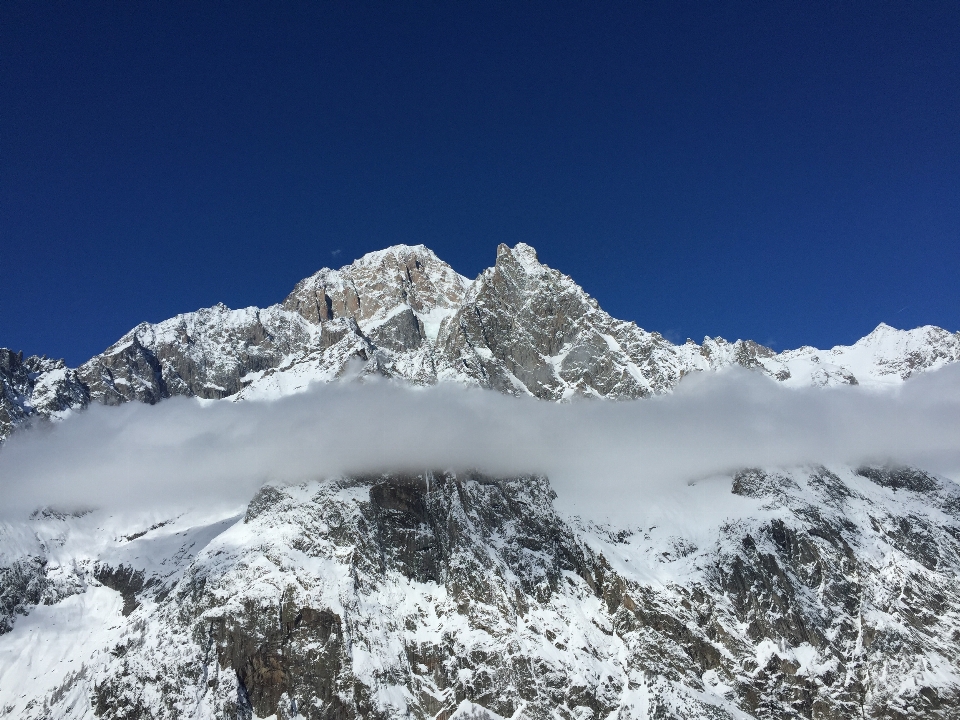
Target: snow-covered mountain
[
  {"x": 520, "y": 328},
  {"x": 811, "y": 592},
  {"x": 798, "y": 592}
]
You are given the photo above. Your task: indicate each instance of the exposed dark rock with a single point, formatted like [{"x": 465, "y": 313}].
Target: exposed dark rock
[
  {"x": 266, "y": 498},
  {"x": 27, "y": 582},
  {"x": 35, "y": 387},
  {"x": 286, "y": 663},
  {"x": 125, "y": 580},
  {"x": 22, "y": 584},
  {"x": 900, "y": 478},
  {"x": 403, "y": 331}
]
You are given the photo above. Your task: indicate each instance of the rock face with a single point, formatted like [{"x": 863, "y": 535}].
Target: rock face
[
  {"x": 520, "y": 328},
  {"x": 829, "y": 593},
  {"x": 203, "y": 354},
  {"x": 526, "y": 328},
  {"x": 36, "y": 386}
]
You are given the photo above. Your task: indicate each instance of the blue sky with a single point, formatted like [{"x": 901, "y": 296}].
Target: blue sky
[{"x": 786, "y": 172}]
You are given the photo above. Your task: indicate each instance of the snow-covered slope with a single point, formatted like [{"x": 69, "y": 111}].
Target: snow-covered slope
[
  {"x": 886, "y": 356},
  {"x": 520, "y": 328},
  {"x": 796, "y": 593}
]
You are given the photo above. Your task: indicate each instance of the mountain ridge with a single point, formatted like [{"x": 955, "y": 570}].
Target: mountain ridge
[{"x": 520, "y": 327}]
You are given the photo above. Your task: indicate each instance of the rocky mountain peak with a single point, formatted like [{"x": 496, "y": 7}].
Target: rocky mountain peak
[
  {"x": 378, "y": 284},
  {"x": 10, "y": 361},
  {"x": 814, "y": 592},
  {"x": 36, "y": 385},
  {"x": 398, "y": 253},
  {"x": 522, "y": 255},
  {"x": 899, "y": 354}
]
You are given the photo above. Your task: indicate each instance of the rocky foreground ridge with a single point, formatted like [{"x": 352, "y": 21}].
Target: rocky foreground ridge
[
  {"x": 815, "y": 593},
  {"x": 520, "y": 327}
]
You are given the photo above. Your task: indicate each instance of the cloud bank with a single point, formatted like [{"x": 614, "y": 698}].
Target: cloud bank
[{"x": 599, "y": 455}]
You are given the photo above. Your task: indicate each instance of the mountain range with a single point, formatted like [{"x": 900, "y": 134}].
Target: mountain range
[
  {"x": 817, "y": 591},
  {"x": 520, "y": 327}
]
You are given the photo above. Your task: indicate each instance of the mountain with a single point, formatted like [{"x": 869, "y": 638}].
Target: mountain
[
  {"x": 809, "y": 592},
  {"x": 520, "y": 327},
  {"x": 815, "y": 592}
]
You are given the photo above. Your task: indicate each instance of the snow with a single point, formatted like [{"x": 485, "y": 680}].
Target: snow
[
  {"x": 674, "y": 538},
  {"x": 467, "y": 710},
  {"x": 376, "y": 258},
  {"x": 54, "y": 642},
  {"x": 433, "y": 319},
  {"x": 526, "y": 258},
  {"x": 382, "y": 318},
  {"x": 289, "y": 350}
]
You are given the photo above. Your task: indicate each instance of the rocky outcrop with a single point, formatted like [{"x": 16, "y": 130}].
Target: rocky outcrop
[
  {"x": 379, "y": 284},
  {"x": 126, "y": 580},
  {"x": 204, "y": 354},
  {"x": 29, "y": 581},
  {"x": 22, "y": 584},
  {"x": 36, "y": 387}
]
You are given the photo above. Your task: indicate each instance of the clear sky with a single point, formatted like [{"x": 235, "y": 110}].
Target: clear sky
[{"x": 786, "y": 172}]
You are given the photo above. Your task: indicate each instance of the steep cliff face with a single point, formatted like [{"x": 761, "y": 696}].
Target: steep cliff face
[
  {"x": 792, "y": 593},
  {"x": 524, "y": 328},
  {"x": 519, "y": 328}
]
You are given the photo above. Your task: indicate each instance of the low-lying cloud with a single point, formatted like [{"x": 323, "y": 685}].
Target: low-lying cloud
[{"x": 598, "y": 454}]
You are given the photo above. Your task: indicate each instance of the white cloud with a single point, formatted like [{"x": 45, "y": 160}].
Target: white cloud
[{"x": 599, "y": 455}]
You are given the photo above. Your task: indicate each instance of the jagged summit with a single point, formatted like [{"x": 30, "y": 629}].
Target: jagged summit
[
  {"x": 520, "y": 327},
  {"x": 377, "y": 285},
  {"x": 522, "y": 254},
  {"x": 401, "y": 250}
]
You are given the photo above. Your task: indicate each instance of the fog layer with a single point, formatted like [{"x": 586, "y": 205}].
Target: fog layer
[{"x": 601, "y": 456}]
